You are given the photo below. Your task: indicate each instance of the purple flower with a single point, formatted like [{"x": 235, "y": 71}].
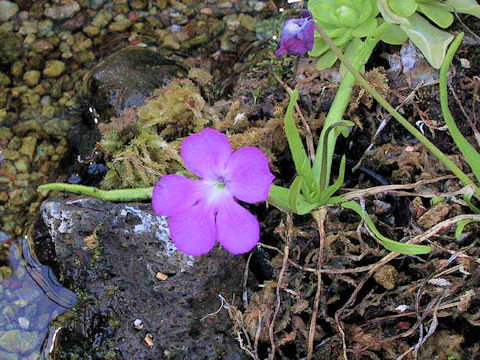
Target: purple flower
[
  {"x": 297, "y": 35},
  {"x": 204, "y": 211}
]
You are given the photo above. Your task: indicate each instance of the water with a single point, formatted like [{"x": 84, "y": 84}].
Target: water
[{"x": 30, "y": 298}]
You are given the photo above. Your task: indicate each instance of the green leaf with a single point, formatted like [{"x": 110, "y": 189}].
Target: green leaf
[
  {"x": 279, "y": 197},
  {"x": 366, "y": 28},
  {"x": 462, "y": 6},
  {"x": 394, "y": 246},
  {"x": 468, "y": 199},
  {"x": 432, "y": 42},
  {"x": 404, "y": 8},
  {"x": 352, "y": 48},
  {"x": 389, "y": 15},
  {"x": 326, "y": 61},
  {"x": 299, "y": 155},
  {"x": 294, "y": 195},
  {"x": 436, "y": 200},
  {"x": 391, "y": 34},
  {"x": 319, "y": 48},
  {"x": 332, "y": 189},
  {"x": 438, "y": 15},
  {"x": 468, "y": 151},
  {"x": 460, "y": 226}
]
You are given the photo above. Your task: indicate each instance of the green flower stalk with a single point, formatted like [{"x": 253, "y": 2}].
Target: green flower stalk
[{"x": 410, "y": 18}]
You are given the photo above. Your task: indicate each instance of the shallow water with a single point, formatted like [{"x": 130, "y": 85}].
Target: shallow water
[{"x": 30, "y": 298}]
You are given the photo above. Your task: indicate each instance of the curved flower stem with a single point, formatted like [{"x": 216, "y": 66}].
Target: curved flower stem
[
  {"x": 412, "y": 129},
  {"x": 468, "y": 151},
  {"x": 337, "y": 110},
  {"x": 117, "y": 195}
]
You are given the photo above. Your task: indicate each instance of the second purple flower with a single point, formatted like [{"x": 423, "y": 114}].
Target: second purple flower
[{"x": 297, "y": 35}]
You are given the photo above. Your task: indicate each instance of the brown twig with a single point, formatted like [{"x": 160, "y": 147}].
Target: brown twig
[
  {"x": 319, "y": 217},
  {"x": 417, "y": 239}
]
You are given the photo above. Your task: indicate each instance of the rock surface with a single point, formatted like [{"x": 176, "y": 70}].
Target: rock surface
[
  {"x": 120, "y": 258},
  {"x": 127, "y": 77}
]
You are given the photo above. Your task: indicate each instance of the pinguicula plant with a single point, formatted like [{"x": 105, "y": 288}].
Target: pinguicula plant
[
  {"x": 352, "y": 26},
  {"x": 205, "y": 211}
]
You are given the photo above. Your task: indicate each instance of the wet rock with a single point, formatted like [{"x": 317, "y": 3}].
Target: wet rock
[
  {"x": 127, "y": 77},
  {"x": 54, "y": 68},
  {"x": 7, "y": 10},
  {"x": 63, "y": 11},
  {"x": 112, "y": 253}
]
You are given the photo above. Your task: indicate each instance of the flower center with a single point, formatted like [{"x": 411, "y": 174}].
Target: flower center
[{"x": 217, "y": 190}]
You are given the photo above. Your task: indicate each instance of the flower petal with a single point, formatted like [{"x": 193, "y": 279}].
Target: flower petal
[
  {"x": 174, "y": 194},
  {"x": 193, "y": 231},
  {"x": 248, "y": 176},
  {"x": 206, "y": 153},
  {"x": 237, "y": 229}
]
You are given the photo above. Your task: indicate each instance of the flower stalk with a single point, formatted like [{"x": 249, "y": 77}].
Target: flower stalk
[
  {"x": 117, "y": 195},
  {"x": 338, "y": 108}
]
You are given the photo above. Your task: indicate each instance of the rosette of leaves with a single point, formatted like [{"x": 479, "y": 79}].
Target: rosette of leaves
[
  {"x": 411, "y": 18},
  {"x": 346, "y": 22}
]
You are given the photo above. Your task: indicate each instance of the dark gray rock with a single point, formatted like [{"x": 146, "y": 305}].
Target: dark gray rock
[
  {"x": 127, "y": 77},
  {"x": 111, "y": 254}
]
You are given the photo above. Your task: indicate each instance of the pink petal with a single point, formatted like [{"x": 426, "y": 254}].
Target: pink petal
[
  {"x": 248, "y": 176},
  {"x": 237, "y": 230},
  {"x": 206, "y": 153},
  {"x": 174, "y": 194},
  {"x": 193, "y": 231}
]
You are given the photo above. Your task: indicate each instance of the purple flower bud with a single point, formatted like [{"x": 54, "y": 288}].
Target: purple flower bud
[{"x": 297, "y": 35}]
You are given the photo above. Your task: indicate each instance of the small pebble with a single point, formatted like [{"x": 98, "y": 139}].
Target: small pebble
[
  {"x": 8, "y": 10},
  {"x": 63, "y": 11},
  {"x": 138, "y": 323},
  {"x": 54, "y": 68}
]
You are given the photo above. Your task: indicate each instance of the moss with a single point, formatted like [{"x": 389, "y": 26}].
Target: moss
[{"x": 143, "y": 144}]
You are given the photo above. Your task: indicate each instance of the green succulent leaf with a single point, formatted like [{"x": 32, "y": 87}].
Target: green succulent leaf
[
  {"x": 394, "y": 246},
  {"x": 388, "y": 14},
  {"x": 391, "y": 34},
  {"x": 368, "y": 27},
  {"x": 352, "y": 48},
  {"x": 404, "y": 8},
  {"x": 431, "y": 41},
  {"x": 437, "y": 14},
  {"x": 326, "y": 61},
  {"x": 470, "y": 7},
  {"x": 343, "y": 21}
]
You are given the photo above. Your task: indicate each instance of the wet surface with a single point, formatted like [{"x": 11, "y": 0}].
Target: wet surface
[{"x": 30, "y": 298}]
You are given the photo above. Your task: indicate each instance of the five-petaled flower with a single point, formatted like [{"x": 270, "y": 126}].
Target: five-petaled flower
[
  {"x": 204, "y": 211},
  {"x": 297, "y": 35}
]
